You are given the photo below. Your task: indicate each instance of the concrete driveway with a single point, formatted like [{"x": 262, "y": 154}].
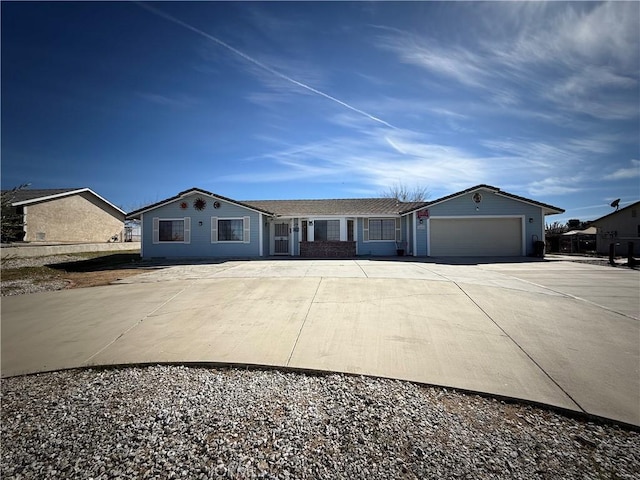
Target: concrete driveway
[{"x": 558, "y": 333}]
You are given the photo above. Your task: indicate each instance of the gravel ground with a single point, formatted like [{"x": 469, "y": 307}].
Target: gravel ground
[
  {"x": 22, "y": 287},
  {"x": 197, "y": 423},
  {"x": 19, "y": 262},
  {"x": 33, "y": 285}
]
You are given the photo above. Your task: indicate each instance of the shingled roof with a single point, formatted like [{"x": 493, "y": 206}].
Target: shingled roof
[
  {"x": 340, "y": 206},
  {"x": 27, "y": 196},
  {"x": 35, "y": 194},
  {"x": 136, "y": 213},
  {"x": 548, "y": 209}
]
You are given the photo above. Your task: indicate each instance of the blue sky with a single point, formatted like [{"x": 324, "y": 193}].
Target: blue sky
[{"x": 324, "y": 100}]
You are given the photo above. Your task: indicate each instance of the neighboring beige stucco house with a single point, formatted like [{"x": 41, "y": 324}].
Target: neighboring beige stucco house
[
  {"x": 68, "y": 216},
  {"x": 619, "y": 227}
]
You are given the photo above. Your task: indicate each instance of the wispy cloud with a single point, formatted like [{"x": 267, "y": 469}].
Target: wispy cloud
[
  {"x": 262, "y": 65},
  {"x": 624, "y": 173},
  {"x": 556, "y": 186},
  {"x": 376, "y": 159},
  {"x": 580, "y": 58},
  {"x": 178, "y": 101}
]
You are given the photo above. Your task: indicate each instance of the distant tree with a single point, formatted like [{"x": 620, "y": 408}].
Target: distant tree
[
  {"x": 12, "y": 226},
  {"x": 573, "y": 224},
  {"x": 403, "y": 193},
  {"x": 555, "y": 228}
]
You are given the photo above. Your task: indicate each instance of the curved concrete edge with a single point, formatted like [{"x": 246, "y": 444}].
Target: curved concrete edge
[
  {"x": 447, "y": 322},
  {"x": 567, "y": 412}
]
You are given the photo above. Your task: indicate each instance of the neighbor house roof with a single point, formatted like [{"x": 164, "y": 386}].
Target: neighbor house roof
[
  {"x": 586, "y": 231},
  {"x": 340, "y": 206},
  {"x": 635, "y": 204},
  {"x": 29, "y": 196},
  {"x": 138, "y": 212},
  {"x": 548, "y": 209}
]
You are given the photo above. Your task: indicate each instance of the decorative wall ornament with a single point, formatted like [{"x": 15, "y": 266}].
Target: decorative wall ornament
[
  {"x": 216, "y": 204},
  {"x": 199, "y": 203},
  {"x": 183, "y": 205},
  {"x": 477, "y": 197}
]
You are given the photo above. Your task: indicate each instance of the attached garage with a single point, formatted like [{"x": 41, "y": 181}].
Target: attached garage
[{"x": 476, "y": 237}]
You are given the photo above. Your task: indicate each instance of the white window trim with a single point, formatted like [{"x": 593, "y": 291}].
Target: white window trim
[
  {"x": 395, "y": 230},
  {"x": 246, "y": 230},
  {"x": 186, "y": 230}
]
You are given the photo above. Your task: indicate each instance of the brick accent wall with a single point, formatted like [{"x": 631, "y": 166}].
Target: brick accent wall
[{"x": 327, "y": 249}]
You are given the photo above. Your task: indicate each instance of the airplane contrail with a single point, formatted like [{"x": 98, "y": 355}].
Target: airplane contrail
[{"x": 177, "y": 21}]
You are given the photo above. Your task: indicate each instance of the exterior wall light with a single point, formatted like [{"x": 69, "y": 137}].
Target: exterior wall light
[
  {"x": 200, "y": 223},
  {"x": 530, "y": 219}
]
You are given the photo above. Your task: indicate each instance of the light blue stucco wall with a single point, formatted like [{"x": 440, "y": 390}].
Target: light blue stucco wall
[
  {"x": 200, "y": 244},
  {"x": 491, "y": 205}
]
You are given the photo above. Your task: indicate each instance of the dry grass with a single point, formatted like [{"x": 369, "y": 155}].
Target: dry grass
[{"x": 76, "y": 271}]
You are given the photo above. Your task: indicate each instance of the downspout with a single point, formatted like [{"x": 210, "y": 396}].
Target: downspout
[
  {"x": 415, "y": 234},
  {"x": 142, "y": 235},
  {"x": 260, "y": 234},
  {"x": 406, "y": 219}
]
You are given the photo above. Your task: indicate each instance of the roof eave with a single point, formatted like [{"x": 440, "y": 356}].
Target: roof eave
[
  {"x": 135, "y": 215},
  {"x": 66, "y": 194}
]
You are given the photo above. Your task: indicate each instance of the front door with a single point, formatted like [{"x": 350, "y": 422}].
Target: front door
[{"x": 281, "y": 239}]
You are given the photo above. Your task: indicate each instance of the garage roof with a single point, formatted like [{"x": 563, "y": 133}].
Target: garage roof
[{"x": 548, "y": 209}]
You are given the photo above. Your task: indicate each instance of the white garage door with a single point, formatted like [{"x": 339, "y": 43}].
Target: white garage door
[{"x": 475, "y": 237}]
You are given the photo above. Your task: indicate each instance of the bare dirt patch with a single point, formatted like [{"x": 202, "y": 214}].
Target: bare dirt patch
[{"x": 29, "y": 275}]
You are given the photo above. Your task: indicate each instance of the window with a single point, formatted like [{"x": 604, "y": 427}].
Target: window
[
  {"x": 230, "y": 229},
  {"x": 382, "y": 229},
  {"x": 326, "y": 230},
  {"x": 176, "y": 230},
  {"x": 171, "y": 231}
]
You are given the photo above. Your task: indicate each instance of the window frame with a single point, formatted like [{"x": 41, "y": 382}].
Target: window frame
[
  {"x": 246, "y": 230},
  {"x": 186, "y": 230},
  {"x": 395, "y": 235},
  {"x": 366, "y": 229}
]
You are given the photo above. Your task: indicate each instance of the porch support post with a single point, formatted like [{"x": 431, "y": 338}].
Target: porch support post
[
  {"x": 310, "y": 231},
  {"x": 292, "y": 243},
  {"x": 260, "y": 233},
  {"x": 415, "y": 234},
  {"x": 343, "y": 229}
]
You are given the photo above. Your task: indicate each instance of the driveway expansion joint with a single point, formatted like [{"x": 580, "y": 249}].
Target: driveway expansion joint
[
  {"x": 304, "y": 321},
  {"x": 574, "y": 297},
  {"x": 523, "y": 350},
  {"x": 122, "y": 334}
]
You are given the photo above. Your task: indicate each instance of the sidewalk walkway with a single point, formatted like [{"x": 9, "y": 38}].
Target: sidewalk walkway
[{"x": 515, "y": 330}]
